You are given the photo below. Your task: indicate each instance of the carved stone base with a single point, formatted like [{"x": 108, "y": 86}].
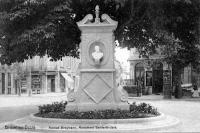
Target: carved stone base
[{"x": 92, "y": 107}]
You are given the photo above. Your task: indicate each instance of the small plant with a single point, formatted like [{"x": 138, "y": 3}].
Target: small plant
[{"x": 52, "y": 108}]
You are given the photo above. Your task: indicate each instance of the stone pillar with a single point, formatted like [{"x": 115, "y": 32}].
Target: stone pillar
[
  {"x": 44, "y": 83},
  {"x": 167, "y": 81},
  {"x": 148, "y": 70},
  {"x": 98, "y": 89},
  {"x": 29, "y": 82},
  {"x": 58, "y": 82}
]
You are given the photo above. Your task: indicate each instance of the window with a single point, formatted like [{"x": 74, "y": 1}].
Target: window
[
  {"x": 9, "y": 79},
  {"x": 36, "y": 82},
  {"x": 9, "y": 83}
]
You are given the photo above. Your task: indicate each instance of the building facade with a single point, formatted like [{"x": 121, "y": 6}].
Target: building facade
[
  {"x": 39, "y": 75},
  {"x": 149, "y": 72},
  {"x": 152, "y": 72}
]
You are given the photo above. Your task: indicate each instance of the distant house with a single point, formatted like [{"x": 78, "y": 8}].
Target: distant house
[
  {"x": 151, "y": 72},
  {"x": 39, "y": 75}
]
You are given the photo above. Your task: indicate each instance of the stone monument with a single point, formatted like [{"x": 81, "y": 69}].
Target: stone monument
[{"x": 98, "y": 89}]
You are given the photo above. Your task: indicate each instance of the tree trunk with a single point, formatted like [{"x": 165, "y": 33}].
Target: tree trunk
[
  {"x": 177, "y": 81},
  {"x": 19, "y": 87}
]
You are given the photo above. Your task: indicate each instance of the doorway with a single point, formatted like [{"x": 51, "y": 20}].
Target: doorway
[
  {"x": 3, "y": 83},
  {"x": 51, "y": 83},
  {"x": 157, "y": 78}
]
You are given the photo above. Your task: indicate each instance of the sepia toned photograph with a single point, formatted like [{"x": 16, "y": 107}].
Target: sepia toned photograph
[{"x": 99, "y": 66}]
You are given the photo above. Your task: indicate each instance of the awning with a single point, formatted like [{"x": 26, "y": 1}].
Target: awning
[{"x": 68, "y": 78}]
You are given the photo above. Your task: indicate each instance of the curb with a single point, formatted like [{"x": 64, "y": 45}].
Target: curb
[
  {"x": 96, "y": 121},
  {"x": 162, "y": 122}
]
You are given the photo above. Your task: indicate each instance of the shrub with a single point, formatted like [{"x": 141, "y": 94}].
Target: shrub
[
  {"x": 135, "y": 111},
  {"x": 54, "y": 107},
  {"x": 104, "y": 114},
  {"x": 143, "y": 108}
]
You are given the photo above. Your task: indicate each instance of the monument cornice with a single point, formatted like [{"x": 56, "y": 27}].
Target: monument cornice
[
  {"x": 106, "y": 22},
  {"x": 99, "y": 29}
]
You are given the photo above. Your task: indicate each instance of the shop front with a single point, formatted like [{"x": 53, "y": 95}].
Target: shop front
[
  {"x": 36, "y": 83},
  {"x": 7, "y": 86},
  {"x": 3, "y": 88},
  {"x": 150, "y": 74}
]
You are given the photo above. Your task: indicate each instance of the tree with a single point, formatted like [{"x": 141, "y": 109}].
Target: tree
[
  {"x": 19, "y": 77},
  {"x": 36, "y": 27},
  {"x": 39, "y": 27},
  {"x": 179, "y": 41}
]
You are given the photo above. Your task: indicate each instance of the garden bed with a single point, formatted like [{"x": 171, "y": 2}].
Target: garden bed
[{"x": 57, "y": 110}]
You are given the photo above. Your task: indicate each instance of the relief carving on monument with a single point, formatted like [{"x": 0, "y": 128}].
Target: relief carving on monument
[
  {"x": 97, "y": 54},
  {"x": 100, "y": 91},
  {"x": 123, "y": 95}
]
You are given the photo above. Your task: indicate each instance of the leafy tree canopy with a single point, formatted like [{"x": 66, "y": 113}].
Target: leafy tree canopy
[{"x": 39, "y": 27}]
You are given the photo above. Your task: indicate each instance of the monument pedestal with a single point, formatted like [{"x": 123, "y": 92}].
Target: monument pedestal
[
  {"x": 98, "y": 89},
  {"x": 92, "y": 107}
]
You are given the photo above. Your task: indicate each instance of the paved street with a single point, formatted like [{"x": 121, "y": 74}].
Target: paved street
[
  {"x": 12, "y": 113},
  {"x": 15, "y": 101},
  {"x": 186, "y": 110},
  {"x": 13, "y": 107}
]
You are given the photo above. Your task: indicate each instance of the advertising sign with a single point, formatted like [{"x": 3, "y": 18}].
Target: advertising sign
[{"x": 167, "y": 77}]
